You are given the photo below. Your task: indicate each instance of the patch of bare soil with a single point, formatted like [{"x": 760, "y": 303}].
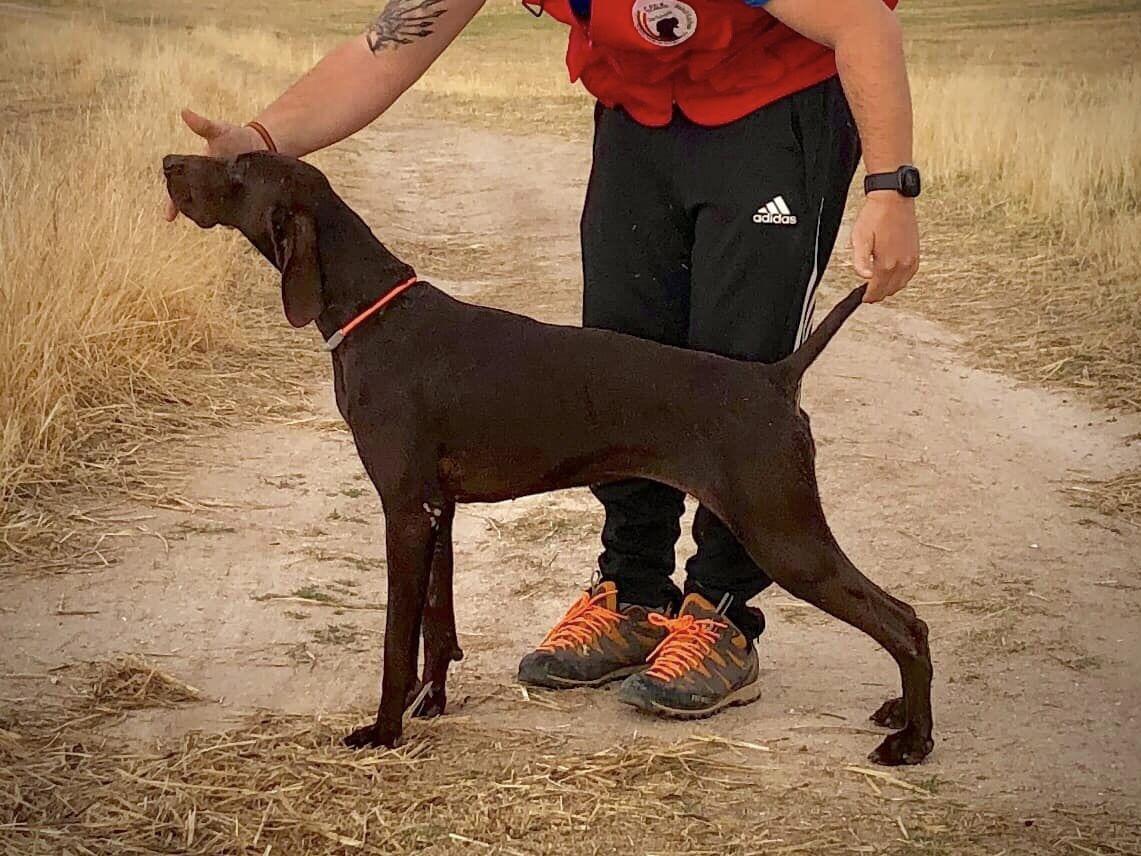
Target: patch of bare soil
[{"x": 943, "y": 483}]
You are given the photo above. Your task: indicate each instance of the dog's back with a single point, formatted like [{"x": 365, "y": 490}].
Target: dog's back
[{"x": 485, "y": 384}]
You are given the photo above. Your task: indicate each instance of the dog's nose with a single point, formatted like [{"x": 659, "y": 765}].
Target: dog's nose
[{"x": 173, "y": 164}]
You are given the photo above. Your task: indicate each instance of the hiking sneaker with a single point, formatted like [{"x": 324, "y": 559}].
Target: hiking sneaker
[
  {"x": 703, "y": 665},
  {"x": 595, "y": 642}
]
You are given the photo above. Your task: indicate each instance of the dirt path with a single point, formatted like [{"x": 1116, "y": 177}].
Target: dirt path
[{"x": 940, "y": 480}]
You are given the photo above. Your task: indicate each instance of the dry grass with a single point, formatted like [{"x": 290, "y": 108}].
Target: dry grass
[
  {"x": 283, "y": 784},
  {"x": 553, "y": 524},
  {"x": 1052, "y": 148},
  {"x": 116, "y": 329},
  {"x": 507, "y": 71},
  {"x": 283, "y": 21},
  {"x": 131, "y": 684},
  {"x": 1033, "y": 237},
  {"x": 1120, "y": 496},
  {"x": 1085, "y": 37},
  {"x": 1028, "y": 304}
]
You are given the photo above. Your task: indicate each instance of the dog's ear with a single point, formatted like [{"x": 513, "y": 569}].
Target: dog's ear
[{"x": 294, "y": 236}]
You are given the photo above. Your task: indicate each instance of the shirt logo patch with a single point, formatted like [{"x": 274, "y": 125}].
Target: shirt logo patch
[{"x": 664, "y": 22}]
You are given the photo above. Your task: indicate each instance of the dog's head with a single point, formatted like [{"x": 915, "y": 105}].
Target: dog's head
[{"x": 274, "y": 201}]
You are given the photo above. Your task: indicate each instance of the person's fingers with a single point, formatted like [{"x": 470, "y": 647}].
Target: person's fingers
[
  {"x": 879, "y": 284},
  {"x": 862, "y": 252},
  {"x": 897, "y": 279},
  {"x": 868, "y": 265},
  {"x": 901, "y": 274},
  {"x": 207, "y": 129},
  {"x": 912, "y": 269}
]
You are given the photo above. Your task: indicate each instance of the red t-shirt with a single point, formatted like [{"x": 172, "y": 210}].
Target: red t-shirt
[{"x": 717, "y": 60}]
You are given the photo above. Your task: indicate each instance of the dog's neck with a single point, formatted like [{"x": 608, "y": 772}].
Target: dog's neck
[{"x": 364, "y": 270}]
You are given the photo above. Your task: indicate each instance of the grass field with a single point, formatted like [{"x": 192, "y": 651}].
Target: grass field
[
  {"x": 1028, "y": 130},
  {"x": 118, "y": 330}
]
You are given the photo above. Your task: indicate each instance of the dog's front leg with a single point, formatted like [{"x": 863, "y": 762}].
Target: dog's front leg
[
  {"x": 410, "y": 535},
  {"x": 441, "y": 643}
]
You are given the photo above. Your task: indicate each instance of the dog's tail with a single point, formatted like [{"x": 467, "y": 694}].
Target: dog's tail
[{"x": 796, "y": 364}]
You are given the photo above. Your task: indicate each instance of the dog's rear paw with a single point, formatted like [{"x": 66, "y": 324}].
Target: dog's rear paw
[
  {"x": 371, "y": 736},
  {"x": 904, "y": 747},
  {"x": 891, "y": 714}
]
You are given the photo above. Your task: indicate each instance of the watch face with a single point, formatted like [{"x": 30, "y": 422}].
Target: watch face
[{"x": 909, "y": 184}]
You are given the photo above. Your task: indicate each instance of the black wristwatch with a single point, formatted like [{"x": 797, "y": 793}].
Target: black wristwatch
[{"x": 904, "y": 181}]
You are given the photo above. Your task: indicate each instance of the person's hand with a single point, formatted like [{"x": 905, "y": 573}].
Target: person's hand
[
  {"x": 223, "y": 140},
  {"x": 885, "y": 243}
]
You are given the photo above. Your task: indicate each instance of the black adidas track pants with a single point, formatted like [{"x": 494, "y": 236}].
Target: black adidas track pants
[{"x": 713, "y": 239}]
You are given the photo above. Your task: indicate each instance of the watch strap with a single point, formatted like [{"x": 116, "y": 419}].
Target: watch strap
[{"x": 882, "y": 181}]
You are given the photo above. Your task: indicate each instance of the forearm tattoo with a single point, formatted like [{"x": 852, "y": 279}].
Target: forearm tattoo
[{"x": 403, "y": 21}]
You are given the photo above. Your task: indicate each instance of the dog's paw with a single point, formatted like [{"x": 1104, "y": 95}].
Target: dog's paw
[
  {"x": 891, "y": 714},
  {"x": 361, "y": 737},
  {"x": 371, "y": 736},
  {"x": 903, "y": 747}
]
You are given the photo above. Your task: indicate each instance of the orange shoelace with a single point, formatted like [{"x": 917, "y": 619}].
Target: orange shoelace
[
  {"x": 688, "y": 641},
  {"x": 585, "y": 621}
]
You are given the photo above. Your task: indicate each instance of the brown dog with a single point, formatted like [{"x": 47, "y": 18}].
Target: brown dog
[{"x": 449, "y": 402}]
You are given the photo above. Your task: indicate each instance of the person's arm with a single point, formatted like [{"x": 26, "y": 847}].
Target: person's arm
[
  {"x": 868, "y": 42},
  {"x": 363, "y": 77},
  {"x": 353, "y": 85}
]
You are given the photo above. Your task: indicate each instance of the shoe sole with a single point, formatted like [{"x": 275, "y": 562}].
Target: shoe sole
[
  {"x": 741, "y": 696},
  {"x": 554, "y": 682}
]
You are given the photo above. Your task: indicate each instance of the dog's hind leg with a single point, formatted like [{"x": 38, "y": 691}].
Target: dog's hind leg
[
  {"x": 410, "y": 537},
  {"x": 806, "y": 561},
  {"x": 892, "y": 713},
  {"x": 441, "y": 643}
]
